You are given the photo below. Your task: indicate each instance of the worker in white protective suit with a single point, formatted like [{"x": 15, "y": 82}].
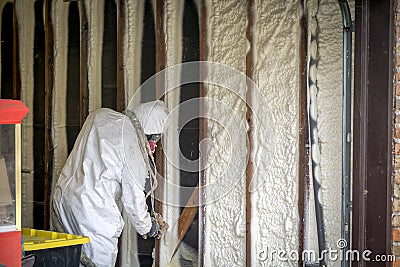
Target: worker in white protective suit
[{"x": 105, "y": 168}]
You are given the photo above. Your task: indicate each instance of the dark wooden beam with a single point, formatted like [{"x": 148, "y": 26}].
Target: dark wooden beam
[
  {"x": 203, "y": 130},
  {"x": 16, "y": 67},
  {"x": 84, "y": 55},
  {"x": 250, "y": 133},
  {"x": 160, "y": 84},
  {"x": 373, "y": 87},
  {"x": 303, "y": 167},
  {"x": 120, "y": 57},
  {"x": 49, "y": 81}
]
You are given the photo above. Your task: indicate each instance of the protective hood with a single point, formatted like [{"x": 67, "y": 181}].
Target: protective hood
[{"x": 152, "y": 116}]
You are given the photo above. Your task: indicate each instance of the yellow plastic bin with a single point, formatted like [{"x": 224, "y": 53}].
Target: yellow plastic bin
[{"x": 52, "y": 248}]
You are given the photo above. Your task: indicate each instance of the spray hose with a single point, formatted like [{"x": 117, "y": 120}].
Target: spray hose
[{"x": 146, "y": 153}]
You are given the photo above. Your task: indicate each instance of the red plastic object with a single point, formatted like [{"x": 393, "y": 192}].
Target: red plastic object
[
  {"x": 12, "y": 111},
  {"x": 10, "y": 252}
]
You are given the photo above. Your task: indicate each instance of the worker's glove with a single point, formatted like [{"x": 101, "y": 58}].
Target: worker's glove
[
  {"x": 155, "y": 228},
  {"x": 162, "y": 224},
  {"x": 158, "y": 227}
]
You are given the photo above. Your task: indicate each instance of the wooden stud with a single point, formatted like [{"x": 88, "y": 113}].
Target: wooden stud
[
  {"x": 249, "y": 101},
  {"x": 303, "y": 169},
  {"x": 160, "y": 65},
  {"x": 84, "y": 55},
  {"x": 49, "y": 77},
  {"x": 120, "y": 57},
  {"x": 203, "y": 131}
]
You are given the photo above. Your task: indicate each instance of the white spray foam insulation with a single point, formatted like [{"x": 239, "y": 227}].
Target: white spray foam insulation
[
  {"x": 274, "y": 201},
  {"x": 95, "y": 14},
  {"x": 225, "y": 216},
  {"x": 133, "y": 49},
  {"x": 59, "y": 18},
  {"x": 310, "y": 231},
  {"x": 276, "y": 28},
  {"x": 329, "y": 99},
  {"x": 173, "y": 40},
  {"x": 26, "y": 21}
]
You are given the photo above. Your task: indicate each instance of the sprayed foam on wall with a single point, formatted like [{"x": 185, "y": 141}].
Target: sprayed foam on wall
[
  {"x": 330, "y": 115},
  {"x": 173, "y": 39},
  {"x": 133, "y": 49},
  {"x": 276, "y": 31},
  {"x": 59, "y": 17},
  {"x": 26, "y": 17},
  {"x": 225, "y": 217},
  {"x": 274, "y": 210},
  {"x": 95, "y": 14}
]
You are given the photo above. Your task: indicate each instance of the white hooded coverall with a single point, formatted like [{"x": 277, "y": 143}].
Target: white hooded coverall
[{"x": 106, "y": 167}]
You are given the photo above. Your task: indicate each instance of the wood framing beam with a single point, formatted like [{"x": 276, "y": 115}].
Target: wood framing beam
[
  {"x": 49, "y": 81},
  {"x": 84, "y": 55},
  {"x": 187, "y": 216},
  {"x": 160, "y": 87},
  {"x": 203, "y": 131},
  {"x": 303, "y": 167},
  {"x": 16, "y": 67},
  {"x": 120, "y": 56},
  {"x": 372, "y": 137},
  {"x": 249, "y": 115}
]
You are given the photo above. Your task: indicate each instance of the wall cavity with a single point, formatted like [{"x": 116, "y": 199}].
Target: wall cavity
[
  {"x": 26, "y": 23},
  {"x": 329, "y": 100},
  {"x": 225, "y": 216},
  {"x": 274, "y": 209},
  {"x": 173, "y": 40},
  {"x": 95, "y": 9},
  {"x": 132, "y": 49},
  {"x": 59, "y": 17}
]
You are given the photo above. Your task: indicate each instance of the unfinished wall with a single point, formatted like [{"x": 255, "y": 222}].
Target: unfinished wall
[
  {"x": 276, "y": 54},
  {"x": 225, "y": 217},
  {"x": 274, "y": 213}
]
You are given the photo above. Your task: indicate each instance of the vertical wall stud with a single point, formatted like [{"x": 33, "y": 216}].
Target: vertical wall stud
[
  {"x": 120, "y": 56},
  {"x": 160, "y": 82},
  {"x": 303, "y": 168},
  {"x": 203, "y": 130},
  {"x": 49, "y": 67},
  {"x": 84, "y": 90},
  {"x": 249, "y": 167}
]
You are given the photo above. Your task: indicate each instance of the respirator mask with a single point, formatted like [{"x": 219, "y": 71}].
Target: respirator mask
[{"x": 153, "y": 139}]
